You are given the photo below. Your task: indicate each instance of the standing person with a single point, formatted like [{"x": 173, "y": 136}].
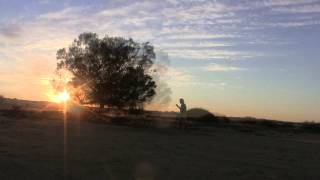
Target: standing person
[
  {"x": 182, "y": 107},
  {"x": 183, "y": 112}
]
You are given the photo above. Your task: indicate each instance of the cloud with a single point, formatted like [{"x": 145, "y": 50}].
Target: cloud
[
  {"x": 221, "y": 68},
  {"x": 197, "y": 36},
  {"x": 205, "y": 54},
  {"x": 131, "y": 21},
  {"x": 310, "y": 8},
  {"x": 286, "y": 2},
  {"x": 195, "y": 45},
  {"x": 177, "y": 75},
  {"x": 294, "y": 24},
  {"x": 10, "y": 30},
  {"x": 67, "y": 13},
  {"x": 191, "y": 30}
]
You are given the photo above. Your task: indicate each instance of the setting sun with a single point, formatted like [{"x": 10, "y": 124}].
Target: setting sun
[{"x": 63, "y": 96}]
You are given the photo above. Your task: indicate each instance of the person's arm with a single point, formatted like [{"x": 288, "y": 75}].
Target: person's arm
[{"x": 178, "y": 106}]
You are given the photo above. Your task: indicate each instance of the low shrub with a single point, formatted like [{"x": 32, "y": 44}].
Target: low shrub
[
  {"x": 201, "y": 115},
  {"x": 312, "y": 126}
]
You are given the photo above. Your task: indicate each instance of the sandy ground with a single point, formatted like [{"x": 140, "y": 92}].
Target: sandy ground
[{"x": 34, "y": 149}]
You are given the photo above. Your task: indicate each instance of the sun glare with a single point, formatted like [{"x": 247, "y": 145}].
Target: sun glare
[{"x": 63, "y": 96}]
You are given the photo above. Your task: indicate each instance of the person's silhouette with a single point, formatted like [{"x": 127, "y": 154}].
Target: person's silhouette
[
  {"x": 182, "y": 107},
  {"x": 181, "y": 119}
]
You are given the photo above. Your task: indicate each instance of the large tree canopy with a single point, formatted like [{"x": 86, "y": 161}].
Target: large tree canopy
[{"x": 111, "y": 71}]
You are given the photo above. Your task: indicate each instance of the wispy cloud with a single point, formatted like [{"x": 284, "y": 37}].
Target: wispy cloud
[
  {"x": 221, "y": 68},
  {"x": 287, "y": 2},
  {"x": 197, "y": 36},
  {"x": 177, "y": 75},
  {"x": 205, "y": 54},
  {"x": 10, "y": 30},
  {"x": 195, "y": 45},
  {"x": 294, "y": 24},
  {"x": 183, "y": 28},
  {"x": 309, "y": 8},
  {"x": 67, "y": 13},
  {"x": 167, "y": 24}
]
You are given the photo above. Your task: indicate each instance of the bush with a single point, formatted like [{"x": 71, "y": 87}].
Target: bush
[
  {"x": 15, "y": 111},
  {"x": 224, "y": 119},
  {"x": 249, "y": 120},
  {"x": 16, "y": 108},
  {"x": 309, "y": 125},
  {"x": 269, "y": 123},
  {"x": 136, "y": 111},
  {"x": 1, "y": 99},
  {"x": 201, "y": 115}
]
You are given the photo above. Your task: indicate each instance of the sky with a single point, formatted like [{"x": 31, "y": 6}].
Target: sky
[{"x": 255, "y": 58}]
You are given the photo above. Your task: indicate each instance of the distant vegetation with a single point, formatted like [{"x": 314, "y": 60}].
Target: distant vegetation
[
  {"x": 111, "y": 71},
  {"x": 197, "y": 118},
  {"x": 1, "y": 99}
]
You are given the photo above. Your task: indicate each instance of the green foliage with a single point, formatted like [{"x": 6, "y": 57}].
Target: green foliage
[{"x": 111, "y": 71}]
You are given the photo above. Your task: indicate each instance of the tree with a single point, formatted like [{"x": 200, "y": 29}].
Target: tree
[
  {"x": 111, "y": 71},
  {"x": 1, "y": 99}
]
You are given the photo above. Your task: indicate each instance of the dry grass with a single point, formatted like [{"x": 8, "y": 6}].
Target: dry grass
[{"x": 32, "y": 147}]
